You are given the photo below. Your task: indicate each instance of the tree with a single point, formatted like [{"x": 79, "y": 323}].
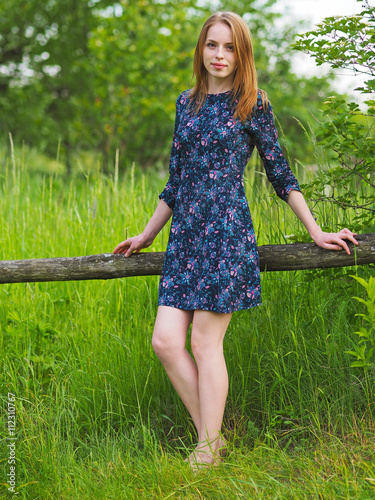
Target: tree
[
  {"x": 349, "y": 180},
  {"x": 43, "y": 75},
  {"x": 155, "y": 41},
  {"x": 140, "y": 59},
  {"x": 103, "y": 76}
]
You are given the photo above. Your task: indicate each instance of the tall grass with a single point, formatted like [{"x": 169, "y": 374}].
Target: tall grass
[{"x": 96, "y": 414}]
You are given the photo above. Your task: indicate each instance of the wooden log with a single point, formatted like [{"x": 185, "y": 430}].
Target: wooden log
[
  {"x": 299, "y": 256},
  {"x": 295, "y": 256}
]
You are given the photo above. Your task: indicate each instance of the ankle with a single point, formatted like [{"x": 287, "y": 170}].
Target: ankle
[{"x": 209, "y": 445}]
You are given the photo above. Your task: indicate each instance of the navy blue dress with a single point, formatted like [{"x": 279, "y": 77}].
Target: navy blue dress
[{"x": 212, "y": 262}]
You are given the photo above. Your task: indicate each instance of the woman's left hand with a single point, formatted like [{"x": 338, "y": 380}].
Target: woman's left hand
[{"x": 335, "y": 241}]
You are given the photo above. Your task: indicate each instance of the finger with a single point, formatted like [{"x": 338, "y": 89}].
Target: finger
[
  {"x": 346, "y": 230},
  {"x": 129, "y": 251},
  {"x": 346, "y": 233},
  {"x": 332, "y": 246},
  {"x": 351, "y": 238},
  {"x": 343, "y": 244},
  {"x": 132, "y": 249},
  {"x": 120, "y": 248}
]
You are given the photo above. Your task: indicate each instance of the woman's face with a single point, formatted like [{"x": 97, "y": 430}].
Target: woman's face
[{"x": 219, "y": 58}]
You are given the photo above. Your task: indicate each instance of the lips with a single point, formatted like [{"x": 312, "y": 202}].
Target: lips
[{"x": 219, "y": 66}]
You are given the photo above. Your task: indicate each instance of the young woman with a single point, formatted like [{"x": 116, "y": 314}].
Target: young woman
[{"x": 211, "y": 267}]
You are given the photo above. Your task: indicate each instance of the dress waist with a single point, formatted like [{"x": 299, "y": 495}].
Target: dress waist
[{"x": 206, "y": 175}]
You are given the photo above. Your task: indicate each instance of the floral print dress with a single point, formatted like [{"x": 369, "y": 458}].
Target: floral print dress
[{"x": 212, "y": 262}]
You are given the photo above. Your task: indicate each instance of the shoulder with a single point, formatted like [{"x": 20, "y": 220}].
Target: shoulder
[
  {"x": 261, "y": 119},
  {"x": 184, "y": 98},
  {"x": 263, "y": 104},
  {"x": 182, "y": 104}
]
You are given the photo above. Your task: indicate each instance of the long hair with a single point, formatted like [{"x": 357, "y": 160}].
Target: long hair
[{"x": 245, "y": 83}]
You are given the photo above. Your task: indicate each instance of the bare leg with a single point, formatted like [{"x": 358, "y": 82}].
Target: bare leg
[
  {"x": 202, "y": 386},
  {"x": 207, "y": 338},
  {"x": 169, "y": 343}
]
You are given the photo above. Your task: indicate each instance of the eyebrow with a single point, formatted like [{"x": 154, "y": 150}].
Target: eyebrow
[{"x": 212, "y": 40}]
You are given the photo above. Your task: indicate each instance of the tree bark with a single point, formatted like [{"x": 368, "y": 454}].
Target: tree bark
[{"x": 296, "y": 256}]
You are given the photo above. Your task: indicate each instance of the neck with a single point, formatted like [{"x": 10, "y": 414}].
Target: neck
[{"x": 216, "y": 86}]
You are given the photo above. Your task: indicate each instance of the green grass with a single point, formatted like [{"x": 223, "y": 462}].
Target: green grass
[{"x": 96, "y": 414}]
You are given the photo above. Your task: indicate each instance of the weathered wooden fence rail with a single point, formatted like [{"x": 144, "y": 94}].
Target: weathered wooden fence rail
[{"x": 108, "y": 266}]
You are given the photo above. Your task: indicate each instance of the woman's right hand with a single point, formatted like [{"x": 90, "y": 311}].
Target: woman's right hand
[{"x": 134, "y": 244}]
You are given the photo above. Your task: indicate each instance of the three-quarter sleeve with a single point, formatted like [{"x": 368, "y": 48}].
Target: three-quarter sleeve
[
  {"x": 264, "y": 134},
  {"x": 169, "y": 193}
]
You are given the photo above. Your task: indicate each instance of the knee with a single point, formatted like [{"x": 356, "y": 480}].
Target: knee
[
  {"x": 198, "y": 347},
  {"x": 205, "y": 348},
  {"x": 158, "y": 343},
  {"x": 163, "y": 344}
]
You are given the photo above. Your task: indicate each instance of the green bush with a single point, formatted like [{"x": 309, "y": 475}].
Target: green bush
[{"x": 346, "y": 131}]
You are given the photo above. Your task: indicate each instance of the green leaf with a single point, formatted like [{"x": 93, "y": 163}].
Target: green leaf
[{"x": 360, "y": 364}]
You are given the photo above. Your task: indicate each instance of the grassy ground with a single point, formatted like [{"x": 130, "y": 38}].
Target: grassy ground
[{"x": 96, "y": 416}]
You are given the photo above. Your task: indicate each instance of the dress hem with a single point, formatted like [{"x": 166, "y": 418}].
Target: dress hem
[{"x": 212, "y": 310}]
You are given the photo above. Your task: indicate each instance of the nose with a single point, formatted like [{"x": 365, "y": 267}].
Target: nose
[{"x": 219, "y": 53}]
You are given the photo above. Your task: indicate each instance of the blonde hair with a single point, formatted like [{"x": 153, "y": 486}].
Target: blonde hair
[{"x": 245, "y": 83}]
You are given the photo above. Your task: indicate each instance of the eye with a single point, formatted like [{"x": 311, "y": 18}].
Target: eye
[
  {"x": 210, "y": 44},
  {"x": 230, "y": 48}
]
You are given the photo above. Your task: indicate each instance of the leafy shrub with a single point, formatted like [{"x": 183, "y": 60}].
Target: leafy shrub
[
  {"x": 346, "y": 130},
  {"x": 364, "y": 351}
]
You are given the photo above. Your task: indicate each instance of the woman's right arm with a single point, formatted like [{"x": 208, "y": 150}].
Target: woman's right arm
[{"x": 160, "y": 217}]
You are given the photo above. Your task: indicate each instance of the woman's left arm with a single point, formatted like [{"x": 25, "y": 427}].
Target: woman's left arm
[{"x": 330, "y": 241}]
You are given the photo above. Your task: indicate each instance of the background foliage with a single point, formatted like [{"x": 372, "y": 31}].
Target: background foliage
[
  {"x": 96, "y": 76},
  {"x": 346, "y": 132}
]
